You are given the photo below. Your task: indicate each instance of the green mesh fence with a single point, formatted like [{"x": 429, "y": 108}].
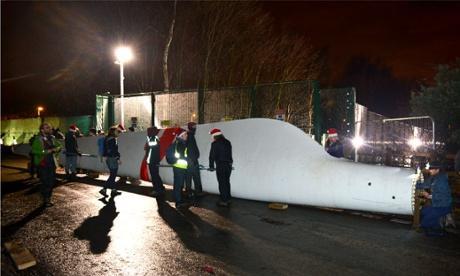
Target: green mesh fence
[
  {"x": 19, "y": 131},
  {"x": 291, "y": 101},
  {"x": 337, "y": 110}
]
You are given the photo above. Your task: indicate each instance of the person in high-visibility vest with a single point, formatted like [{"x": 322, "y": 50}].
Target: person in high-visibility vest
[
  {"x": 152, "y": 151},
  {"x": 177, "y": 156}
]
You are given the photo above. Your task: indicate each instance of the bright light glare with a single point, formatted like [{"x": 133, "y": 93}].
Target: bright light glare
[
  {"x": 123, "y": 54},
  {"x": 357, "y": 142},
  {"x": 40, "y": 108},
  {"x": 415, "y": 143}
]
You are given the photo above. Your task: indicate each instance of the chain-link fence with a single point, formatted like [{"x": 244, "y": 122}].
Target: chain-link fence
[
  {"x": 392, "y": 141},
  {"x": 338, "y": 110},
  {"x": 291, "y": 100},
  {"x": 387, "y": 141}
]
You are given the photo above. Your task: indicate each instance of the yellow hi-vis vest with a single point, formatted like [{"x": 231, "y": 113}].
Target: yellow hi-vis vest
[
  {"x": 181, "y": 163},
  {"x": 151, "y": 144}
]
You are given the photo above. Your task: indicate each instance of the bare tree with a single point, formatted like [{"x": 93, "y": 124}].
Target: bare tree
[{"x": 166, "y": 50}]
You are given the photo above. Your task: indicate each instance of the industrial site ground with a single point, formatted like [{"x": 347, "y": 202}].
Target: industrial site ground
[{"x": 135, "y": 234}]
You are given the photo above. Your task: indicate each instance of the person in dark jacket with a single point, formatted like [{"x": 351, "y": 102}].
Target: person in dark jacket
[
  {"x": 221, "y": 155},
  {"x": 71, "y": 153},
  {"x": 333, "y": 145},
  {"x": 32, "y": 168},
  {"x": 193, "y": 170},
  {"x": 441, "y": 199},
  {"x": 112, "y": 157},
  {"x": 45, "y": 148},
  {"x": 176, "y": 155},
  {"x": 152, "y": 151}
]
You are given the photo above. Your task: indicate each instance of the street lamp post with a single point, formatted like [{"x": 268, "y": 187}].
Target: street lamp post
[
  {"x": 39, "y": 109},
  {"x": 123, "y": 54}
]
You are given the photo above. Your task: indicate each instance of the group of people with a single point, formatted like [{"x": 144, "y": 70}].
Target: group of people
[{"x": 182, "y": 155}]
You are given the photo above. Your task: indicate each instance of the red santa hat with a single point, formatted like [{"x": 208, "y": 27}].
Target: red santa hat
[
  {"x": 332, "y": 132},
  {"x": 120, "y": 127},
  {"x": 215, "y": 132},
  {"x": 180, "y": 132},
  {"x": 73, "y": 128}
]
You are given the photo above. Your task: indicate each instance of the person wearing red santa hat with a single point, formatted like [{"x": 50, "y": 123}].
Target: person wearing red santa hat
[
  {"x": 177, "y": 156},
  {"x": 193, "y": 170},
  {"x": 333, "y": 145},
  {"x": 71, "y": 152},
  {"x": 221, "y": 155}
]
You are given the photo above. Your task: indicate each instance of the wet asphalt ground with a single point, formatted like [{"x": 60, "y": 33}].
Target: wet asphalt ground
[{"x": 135, "y": 234}]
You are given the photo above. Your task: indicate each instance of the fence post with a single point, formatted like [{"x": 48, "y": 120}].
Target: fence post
[
  {"x": 252, "y": 102},
  {"x": 317, "y": 120},
  {"x": 200, "y": 104},
  {"x": 111, "y": 110},
  {"x": 152, "y": 103}
]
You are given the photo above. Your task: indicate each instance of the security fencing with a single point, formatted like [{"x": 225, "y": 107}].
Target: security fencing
[
  {"x": 289, "y": 101},
  {"x": 301, "y": 103}
]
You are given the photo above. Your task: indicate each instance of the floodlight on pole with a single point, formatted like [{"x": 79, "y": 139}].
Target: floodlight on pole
[
  {"x": 123, "y": 54},
  {"x": 357, "y": 142},
  {"x": 415, "y": 143}
]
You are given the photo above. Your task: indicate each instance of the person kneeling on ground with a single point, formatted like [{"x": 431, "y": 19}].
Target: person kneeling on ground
[{"x": 441, "y": 200}]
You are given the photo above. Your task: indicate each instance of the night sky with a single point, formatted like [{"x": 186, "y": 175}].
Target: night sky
[
  {"x": 411, "y": 38},
  {"x": 43, "y": 43}
]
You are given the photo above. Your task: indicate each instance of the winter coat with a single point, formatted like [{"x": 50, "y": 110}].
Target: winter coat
[
  {"x": 193, "y": 151},
  {"x": 152, "y": 150},
  {"x": 221, "y": 152},
  {"x": 71, "y": 145},
  {"x": 178, "y": 146},
  {"x": 111, "y": 147},
  {"x": 335, "y": 149},
  {"x": 39, "y": 147},
  {"x": 440, "y": 190}
]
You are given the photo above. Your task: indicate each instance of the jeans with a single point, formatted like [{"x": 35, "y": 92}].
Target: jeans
[
  {"x": 193, "y": 172},
  {"x": 431, "y": 216},
  {"x": 70, "y": 164},
  {"x": 112, "y": 164},
  {"x": 156, "y": 179},
  {"x": 179, "y": 178},
  {"x": 47, "y": 178},
  {"x": 223, "y": 172}
]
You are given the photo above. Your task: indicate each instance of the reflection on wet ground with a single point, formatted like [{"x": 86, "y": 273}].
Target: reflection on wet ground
[{"x": 135, "y": 234}]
